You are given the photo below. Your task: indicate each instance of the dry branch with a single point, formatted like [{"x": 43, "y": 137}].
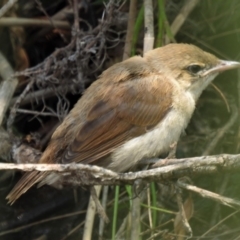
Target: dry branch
[
  {"x": 149, "y": 26},
  {"x": 90, "y": 175},
  {"x": 7, "y": 7},
  {"x": 27, "y": 22},
  {"x": 129, "y": 36},
  {"x": 175, "y": 169},
  {"x": 181, "y": 17},
  {"x": 221, "y": 132},
  {"x": 7, "y": 86},
  {"x": 207, "y": 194}
]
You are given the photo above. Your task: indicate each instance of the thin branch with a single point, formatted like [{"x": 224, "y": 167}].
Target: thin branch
[
  {"x": 217, "y": 225},
  {"x": 104, "y": 204},
  {"x": 73, "y": 231},
  {"x": 206, "y": 45},
  {"x": 136, "y": 217},
  {"x": 222, "y": 131},
  {"x": 5, "y": 145},
  {"x": 76, "y": 15},
  {"x": 7, "y": 7},
  {"x": 181, "y": 17},
  {"x": 238, "y": 104},
  {"x": 90, "y": 216},
  {"x": 129, "y": 36},
  {"x": 7, "y": 86},
  {"x": 148, "y": 24},
  {"x": 36, "y": 113},
  {"x": 183, "y": 215},
  {"x": 13, "y": 111},
  {"x": 40, "y": 7},
  {"x": 18, "y": 229},
  {"x": 26, "y": 22},
  {"x": 176, "y": 168},
  {"x": 45, "y": 93},
  {"x": 95, "y": 192},
  {"x": 210, "y": 195},
  {"x": 61, "y": 15},
  {"x": 149, "y": 209},
  {"x": 221, "y": 95},
  {"x": 83, "y": 174}
]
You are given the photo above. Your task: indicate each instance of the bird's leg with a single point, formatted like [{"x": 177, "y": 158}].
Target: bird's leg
[
  {"x": 171, "y": 155},
  {"x": 172, "y": 152}
]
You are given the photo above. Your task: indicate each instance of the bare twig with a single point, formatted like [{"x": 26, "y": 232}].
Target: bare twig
[
  {"x": 18, "y": 229},
  {"x": 44, "y": 12},
  {"x": 76, "y": 17},
  {"x": 217, "y": 225},
  {"x": 7, "y": 86},
  {"x": 238, "y": 104},
  {"x": 135, "y": 216},
  {"x": 177, "y": 168},
  {"x": 149, "y": 209},
  {"x": 130, "y": 27},
  {"x": 182, "y": 167},
  {"x": 36, "y": 113},
  {"x": 45, "y": 93},
  {"x": 210, "y": 195},
  {"x": 222, "y": 96},
  {"x": 73, "y": 230},
  {"x": 222, "y": 131},
  {"x": 7, "y": 7},
  {"x": 183, "y": 216},
  {"x": 206, "y": 45},
  {"x": 95, "y": 192},
  {"x": 217, "y": 208},
  {"x": 149, "y": 28},
  {"x": 17, "y": 103},
  {"x": 26, "y": 22},
  {"x": 87, "y": 234},
  {"x": 104, "y": 204},
  {"x": 61, "y": 15},
  {"x": 5, "y": 145},
  {"x": 181, "y": 17}
]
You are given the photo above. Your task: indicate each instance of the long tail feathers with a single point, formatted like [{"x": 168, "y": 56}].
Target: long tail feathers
[{"x": 26, "y": 182}]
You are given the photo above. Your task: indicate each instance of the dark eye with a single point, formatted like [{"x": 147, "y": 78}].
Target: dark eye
[{"x": 194, "y": 69}]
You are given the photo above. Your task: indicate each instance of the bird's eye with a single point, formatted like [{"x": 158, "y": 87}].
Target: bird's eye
[{"x": 194, "y": 69}]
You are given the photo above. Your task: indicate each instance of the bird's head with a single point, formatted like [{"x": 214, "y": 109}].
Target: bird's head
[{"x": 190, "y": 66}]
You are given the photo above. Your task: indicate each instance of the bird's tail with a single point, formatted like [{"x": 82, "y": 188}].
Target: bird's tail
[{"x": 26, "y": 182}]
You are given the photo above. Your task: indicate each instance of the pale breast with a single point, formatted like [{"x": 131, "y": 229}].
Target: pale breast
[{"x": 158, "y": 140}]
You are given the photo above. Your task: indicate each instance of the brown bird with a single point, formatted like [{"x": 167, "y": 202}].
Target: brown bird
[{"x": 136, "y": 110}]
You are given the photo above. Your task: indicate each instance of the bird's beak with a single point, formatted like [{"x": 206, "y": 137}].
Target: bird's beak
[{"x": 222, "y": 66}]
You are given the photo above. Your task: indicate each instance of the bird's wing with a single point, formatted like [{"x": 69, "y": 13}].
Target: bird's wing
[
  {"x": 128, "y": 110},
  {"x": 26, "y": 182}
]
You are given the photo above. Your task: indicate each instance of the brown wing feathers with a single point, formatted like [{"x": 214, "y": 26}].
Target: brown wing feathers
[
  {"x": 26, "y": 182},
  {"x": 97, "y": 138}
]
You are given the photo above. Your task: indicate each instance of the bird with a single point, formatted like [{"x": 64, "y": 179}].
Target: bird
[{"x": 135, "y": 110}]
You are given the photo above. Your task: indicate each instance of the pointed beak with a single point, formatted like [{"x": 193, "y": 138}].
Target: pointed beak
[{"x": 222, "y": 66}]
